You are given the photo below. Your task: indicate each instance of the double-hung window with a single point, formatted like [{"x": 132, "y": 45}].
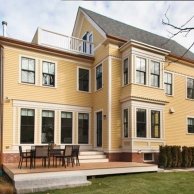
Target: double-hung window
[
  {"x": 84, "y": 80},
  {"x": 27, "y": 126},
  {"x": 190, "y": 88},
  {"x": 47, "y": 126},
  {"x": 155, "y": 74},
  {"x": 168, "y": 83},
  {"x": 48, "y": 73},
  {"x": 140, "y": 70},
  {"x": 27, "y": 70},
  {"x": 99, "y": 77},
  {"x": 125, "y": 122},
  {"x": 141, "y": 122},
  {"x": 190, "y": 125},
  {"x": 155, "y": 124},
  {"x": 125, "y": 71}
]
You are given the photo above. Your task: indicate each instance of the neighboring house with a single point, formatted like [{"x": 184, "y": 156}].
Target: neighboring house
[{"x": 114, "y": 88}]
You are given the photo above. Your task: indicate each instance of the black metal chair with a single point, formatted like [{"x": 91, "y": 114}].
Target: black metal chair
[
  {"x": 24, "y": 156},
  {"x": 75, "y": 154},
  {"x": 42, "y": 152},
  {"x": 65, "y": 156},
  {"x": 55, "y": 151}
]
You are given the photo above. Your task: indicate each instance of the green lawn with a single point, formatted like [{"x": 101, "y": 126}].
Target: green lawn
[{"x": 145, "y": 183}]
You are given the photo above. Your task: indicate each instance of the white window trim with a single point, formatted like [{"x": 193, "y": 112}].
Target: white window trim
[
  {"x": 19, "y": 126},
  {"x": 127, "y": 57},
  {"x": 102, "y": 77},
  {"x": 20, "y": 69},
  {"x": 148, "y": 122},
  {"x": 188, "y": 77},
  {"x": 172, "y": 83},
  {"x": 81, "y": 67},
  {"x": 146, "y": 70},
  {"x": 187, "y": 133},
  {"x": 41, "y": 64},
  {"x": 73, "y": 132},
  {"x": 122, "y": 120},
  {"x": 91, "y": 33},
  {"x": 89, "y": 127},
  {"x": 149, "y": 160},
  {"x": 150, "y": 80}
]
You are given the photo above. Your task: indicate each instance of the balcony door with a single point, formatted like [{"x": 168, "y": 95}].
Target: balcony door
[{"x": 99, "y": 129}]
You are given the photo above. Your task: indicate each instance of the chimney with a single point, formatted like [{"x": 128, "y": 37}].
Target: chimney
[{"x": 4, "y": 24}]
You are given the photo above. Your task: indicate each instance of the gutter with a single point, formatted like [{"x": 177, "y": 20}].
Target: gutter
[{"x": 1, "y": 100}]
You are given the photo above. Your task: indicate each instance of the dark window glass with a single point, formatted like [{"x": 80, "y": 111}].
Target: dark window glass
[
  {"x": 47, "y": 126},
  {"x": 190, "y": 125},
  {"x": 168, "y": 83},
  {"x": 140, "y": 70},
  {"x": 125, "y": 122},
  {"x": 48, "y": 73},
  {"x": 83, "y": 127},
  {"x": 27, "y": 126},
  {"x": 141, "y": 123},
  {"x": 155, "y": 74},
  {"x": 28, "y": 70},
  {"x": 125, "y": 71},
  {"x": 66, "y": 127},
  {"x": 90, "y": 43},
  {"x": 190, "y": 88},
  {"x": 99, "y": 77},
  {"x": 155, "y": 124},
  {"x": 84, "y": 80},
  {"x": 148, "y": 156}
]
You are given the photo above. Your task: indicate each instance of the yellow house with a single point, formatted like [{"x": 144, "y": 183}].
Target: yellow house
[{"x": 110, "y": 87}]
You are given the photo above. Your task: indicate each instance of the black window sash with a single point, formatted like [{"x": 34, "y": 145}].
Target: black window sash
[
  {"x": 141, "y": 124},
  {"x": 154, "y": 124}
]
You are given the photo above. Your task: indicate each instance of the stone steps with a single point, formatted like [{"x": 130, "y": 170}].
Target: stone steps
[{"x": 92, "y": 157}]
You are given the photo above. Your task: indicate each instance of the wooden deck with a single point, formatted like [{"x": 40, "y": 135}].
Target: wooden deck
[{"x": 28, "y": 180}]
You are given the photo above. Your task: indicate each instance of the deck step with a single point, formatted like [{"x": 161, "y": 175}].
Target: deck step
[
  {"x": 94, "y": 160},
  {"x": 84, "y": 153},
  {"x": 92, "y": 157}
]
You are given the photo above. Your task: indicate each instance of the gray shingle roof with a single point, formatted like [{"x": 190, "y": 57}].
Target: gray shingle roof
[{"x": 127, "y": 32}]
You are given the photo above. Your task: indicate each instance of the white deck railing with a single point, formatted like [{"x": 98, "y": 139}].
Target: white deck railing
[{"x": 63, "y": 42}]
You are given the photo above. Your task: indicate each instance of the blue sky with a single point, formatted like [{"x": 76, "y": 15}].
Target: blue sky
[{"x": 24, "y": 16}]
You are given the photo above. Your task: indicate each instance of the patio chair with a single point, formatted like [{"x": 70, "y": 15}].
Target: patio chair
[
  {"x": 55, "y": 151},
  {"x": 42, "y": 152},
  {"x": 75, "y": 154},
  {"x": 24, "y": 156},
  {"x": 67, "y": 155}
]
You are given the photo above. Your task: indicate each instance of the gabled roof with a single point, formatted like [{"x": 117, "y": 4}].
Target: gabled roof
[{"x": 126, "y": 32}]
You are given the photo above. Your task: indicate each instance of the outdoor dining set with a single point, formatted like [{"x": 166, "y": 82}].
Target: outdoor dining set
[{"x": 48, "y": 154}]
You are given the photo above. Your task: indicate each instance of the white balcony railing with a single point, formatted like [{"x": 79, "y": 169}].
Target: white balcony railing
[{"x": 63, "y": 42}]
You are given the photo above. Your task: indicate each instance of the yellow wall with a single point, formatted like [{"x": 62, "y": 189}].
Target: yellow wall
[
  {"x": 176, "y": 123},
  {"x": 116, "y": 106},
  {"x": 66, "y": 91}
]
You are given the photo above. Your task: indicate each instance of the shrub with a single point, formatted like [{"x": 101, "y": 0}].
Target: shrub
[
  {"x": 169, "y": 156},
  {"x": 185, "y": 156},
  {"x": 174, "y": 152},
  {"x": 179, "y": 164},
  {"x": 162, "y": 157}
]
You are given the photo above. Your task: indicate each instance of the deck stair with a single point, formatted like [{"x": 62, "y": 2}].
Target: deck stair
[{"x": 92, "y": 156}]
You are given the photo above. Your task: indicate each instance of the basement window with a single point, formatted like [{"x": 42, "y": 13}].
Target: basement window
[{"x": 148, "y": 157}]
